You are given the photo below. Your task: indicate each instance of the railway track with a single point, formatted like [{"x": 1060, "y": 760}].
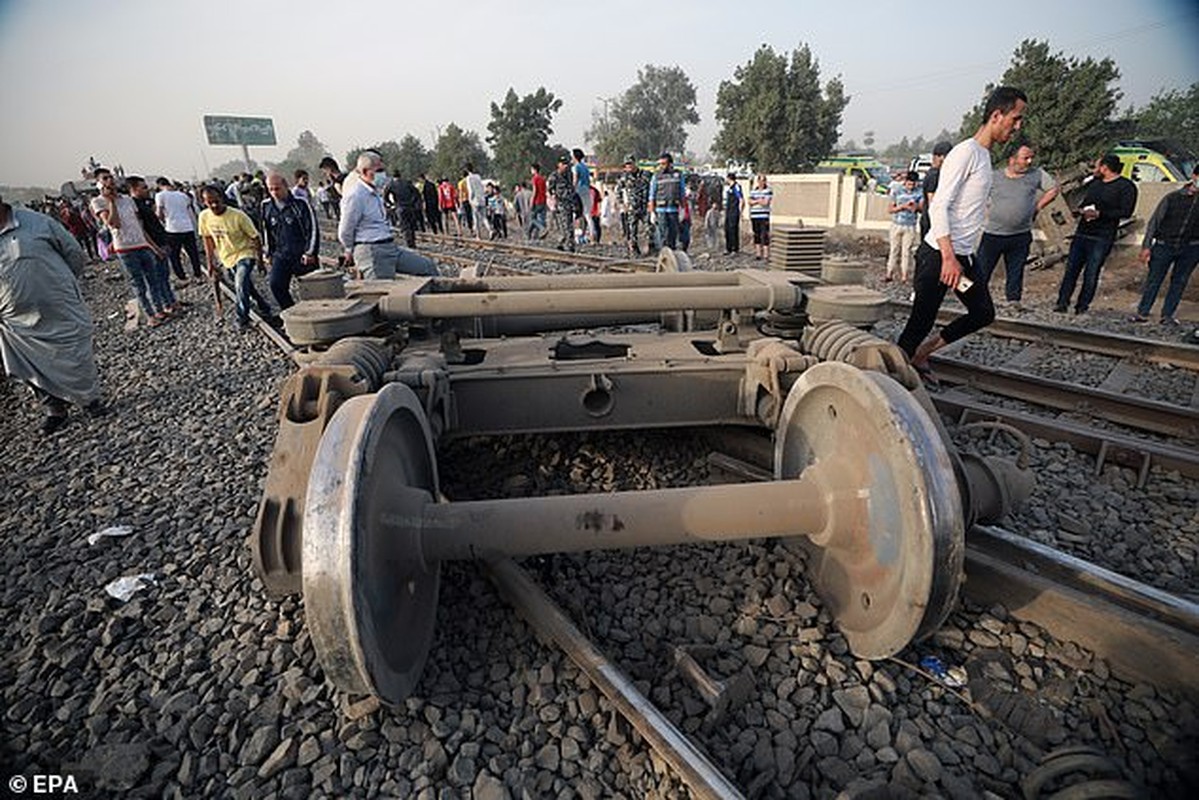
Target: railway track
[
  {"x": 589, "y": 260},
  {"x": 1123, "y": 372}
]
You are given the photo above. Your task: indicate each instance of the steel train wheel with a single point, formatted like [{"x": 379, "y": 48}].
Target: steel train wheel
[
  {"x": 891, "y": 570},
  {"x": 369, "y": 598}
]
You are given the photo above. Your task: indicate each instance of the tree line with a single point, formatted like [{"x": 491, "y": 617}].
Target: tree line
[{"x": 777, "y": 113}]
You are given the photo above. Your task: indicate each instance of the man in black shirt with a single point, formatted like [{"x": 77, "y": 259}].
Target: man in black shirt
[
  {"x": 1109, "y": 198},
  {"x": 156, "y": 234},
  {"x": 931, "y": 179},
  {"x": 1171, "y": 240}
]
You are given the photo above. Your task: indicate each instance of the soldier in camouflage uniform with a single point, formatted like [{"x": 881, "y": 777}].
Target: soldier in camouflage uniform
[
  {"x": 563, "y": 191},
  {"x": 633, "y": 190}
]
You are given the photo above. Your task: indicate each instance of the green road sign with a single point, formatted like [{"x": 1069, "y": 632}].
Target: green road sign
[{"x": 240, "y": 130}]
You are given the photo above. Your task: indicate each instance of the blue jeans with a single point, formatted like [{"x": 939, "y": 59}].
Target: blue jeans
[
  {"x": 1087, "y": 254},
  {"x": 243, "y": 285},
  {"x": 141, "y": 266},
  {"x": 1161, "y": 256},
  {"x": 667, "y": 229},
  {"x": 1014, "y": 249},
  {"x": 536, "y": 228}
]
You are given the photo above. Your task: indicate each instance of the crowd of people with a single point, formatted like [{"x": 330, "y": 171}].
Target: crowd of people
[
  {"x": 948, "y": 233},
  {"x": 975, "y": 215}
]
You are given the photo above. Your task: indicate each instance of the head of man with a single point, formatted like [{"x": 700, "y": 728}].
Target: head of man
[
  {"x": 276, "y": 185},
  {"x": 369, "y": 162},
  {"x": 939, "y": 152},
  {"x": 630, "y": 164},
  {"x": 1020, "y": 161},
  {"x": 1004, "y": 113},
  {"x": 760, "y": 181},
  {"x": 1109, "y": 167},
  {"x": 577, "y": 154},
  {"x": 301, "y": 176},
  {"x": 910, "y": 180},
  {"x": 105, "y": 181},
  {"x": 731, "y": 178},
  {"x": 329, "y": 166},
  {"x": 665, "y": 162},
  {"x": 563, "y": 163},
  {"x": 534, "y": 168},
  {"x": 138, "y": 187},
  {"x": 469, "y": 167},
  {"x": 214, "y": 199},
  {"x": 164, "y": 184}
]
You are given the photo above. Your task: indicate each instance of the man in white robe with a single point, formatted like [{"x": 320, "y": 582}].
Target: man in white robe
[{"x": 45, "y": 327}]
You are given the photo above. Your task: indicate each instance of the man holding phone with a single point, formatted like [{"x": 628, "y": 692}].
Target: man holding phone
[{"x": 946, "y": 256}]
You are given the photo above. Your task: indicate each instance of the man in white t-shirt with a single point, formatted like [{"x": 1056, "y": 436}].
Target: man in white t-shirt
[
  {"x": 178, "y": 217},
  {"x": 945, "y": 259}
]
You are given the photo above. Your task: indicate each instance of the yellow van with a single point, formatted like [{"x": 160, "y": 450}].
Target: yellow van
[
  {"x": 863, "y": 169},
  {"x": 1143, "y": 165}
]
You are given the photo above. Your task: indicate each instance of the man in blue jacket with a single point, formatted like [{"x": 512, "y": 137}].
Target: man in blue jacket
[{"x": 291, "y": 236}]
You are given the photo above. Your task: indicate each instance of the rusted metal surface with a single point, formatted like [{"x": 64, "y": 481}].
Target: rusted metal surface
[
  {"x": 1136, "y": 412},
  {"x": 1144, "y": 634},
  {"x": 896, "y": 578},
  {"x": 702, "y": 777},
  {"x": 872, "y": 490}
]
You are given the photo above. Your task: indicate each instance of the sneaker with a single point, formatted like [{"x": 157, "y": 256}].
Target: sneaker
[
  {"x": 1138, "y": 318},
  {"x": 53, "y": 423},
  {"x": 1060, "y": 309},
  {"x": 1170, "y": 322}
]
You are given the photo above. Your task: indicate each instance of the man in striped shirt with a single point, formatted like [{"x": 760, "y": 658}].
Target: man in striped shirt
[{"x": 760, "y": 198}]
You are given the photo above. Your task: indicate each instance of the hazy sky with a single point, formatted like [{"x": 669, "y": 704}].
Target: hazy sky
[{"x": 129, "y": 80}]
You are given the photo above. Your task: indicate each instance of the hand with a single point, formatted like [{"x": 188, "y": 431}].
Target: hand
[
  {"x": 951, "y": 271},
  {"x": 347, "y": 259},
  {"x": 1143, "y": 256},
  {"x": 307, "y": 260},
  {"x": 1090, "y": 214}
]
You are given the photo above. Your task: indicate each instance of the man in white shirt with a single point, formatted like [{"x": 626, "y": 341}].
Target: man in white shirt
[
  {"x": 174, "y": 208},
  {"x": 945, "y": 258}
]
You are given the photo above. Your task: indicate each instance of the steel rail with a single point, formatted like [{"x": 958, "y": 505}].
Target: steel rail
[
  {"x": 1119, "y": 345},
  {"x": 702, "y": 777},
  {"x": 688, "y": 761},
  {"x": 1105, "y": 445},
  {"x": 1135, "y": 412},
  {"x": 532, "y": 251},
  {"x": 1143, "y": 633}
]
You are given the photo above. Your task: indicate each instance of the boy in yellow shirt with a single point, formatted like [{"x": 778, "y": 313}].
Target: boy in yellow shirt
[{"x": 229, "y": 235}]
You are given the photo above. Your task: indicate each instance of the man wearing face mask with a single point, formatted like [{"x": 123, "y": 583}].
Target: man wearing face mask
[{"x": 363, "y": 230}]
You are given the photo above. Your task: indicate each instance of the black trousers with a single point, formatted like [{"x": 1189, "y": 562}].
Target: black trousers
[
  {"x": 185, "y": 242},
  {"x": 930, "y": 292},
  {"x": 732, "y": 234}
]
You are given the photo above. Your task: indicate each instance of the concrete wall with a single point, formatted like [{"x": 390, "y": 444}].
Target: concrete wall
[{"x": 829, "y": 201}]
